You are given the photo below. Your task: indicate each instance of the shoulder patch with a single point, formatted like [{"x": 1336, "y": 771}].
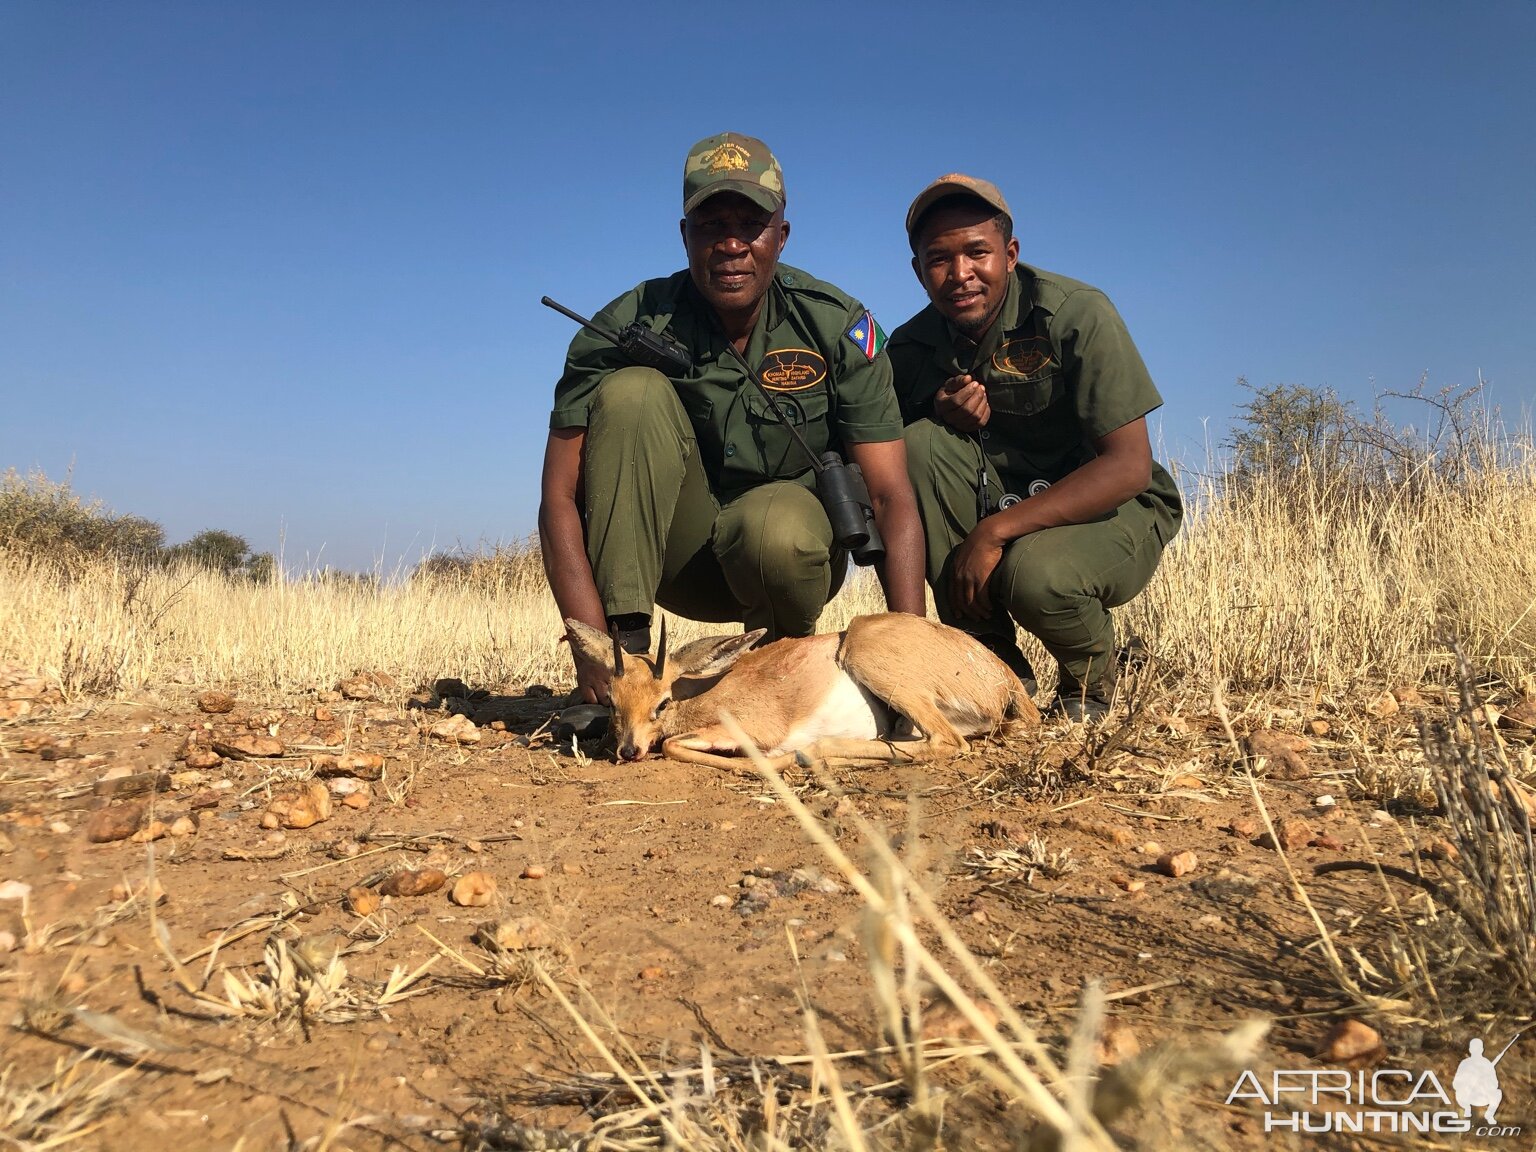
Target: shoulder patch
[{"x": 867, "y": 335}]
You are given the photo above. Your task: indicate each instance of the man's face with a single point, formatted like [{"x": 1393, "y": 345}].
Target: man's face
[
  {"x": 964, "y": 265},
  {"x": 733, "y": 248}
]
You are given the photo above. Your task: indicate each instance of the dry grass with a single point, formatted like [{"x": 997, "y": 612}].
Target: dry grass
[{"x": 1287, "y": 581}]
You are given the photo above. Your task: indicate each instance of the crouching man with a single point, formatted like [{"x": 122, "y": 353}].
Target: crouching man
[
  {"x": 1027, "y": 445},
  {"x": 689, "y": 491}
]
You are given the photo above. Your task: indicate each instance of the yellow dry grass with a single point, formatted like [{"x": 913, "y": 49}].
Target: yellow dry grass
[{"x": 1284, "y": 583}]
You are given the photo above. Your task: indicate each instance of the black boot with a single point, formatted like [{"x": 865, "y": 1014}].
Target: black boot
[{"x": 1083, "y": 703}]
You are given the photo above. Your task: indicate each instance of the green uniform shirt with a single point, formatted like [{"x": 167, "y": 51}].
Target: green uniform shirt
[
  {"x": 810, "y": 345},
  {"x": 1060, "y": 371}
]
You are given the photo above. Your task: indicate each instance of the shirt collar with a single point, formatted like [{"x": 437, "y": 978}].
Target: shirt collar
[{"x": 774, "y": 311}]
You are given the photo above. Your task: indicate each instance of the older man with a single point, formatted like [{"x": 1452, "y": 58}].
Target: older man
[
  {"x": 1027, "y": 444},
  {"x": 689, "y": 491}
]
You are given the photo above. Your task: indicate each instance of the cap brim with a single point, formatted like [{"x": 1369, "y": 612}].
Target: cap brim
[
  {"x": 764, "y": 197},
  {"x": 932, "y": 194}
]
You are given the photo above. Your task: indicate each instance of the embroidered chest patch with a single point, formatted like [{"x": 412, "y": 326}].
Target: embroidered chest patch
[
  {"x": 792, "y": 369},
  {"x": 1028, "y": 357}
]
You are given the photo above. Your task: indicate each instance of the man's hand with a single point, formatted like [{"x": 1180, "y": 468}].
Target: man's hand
[
  {"x": 962, "y": 404},
  {"x": 971, "y": 570},
  {"x": 592, "y": 683}
]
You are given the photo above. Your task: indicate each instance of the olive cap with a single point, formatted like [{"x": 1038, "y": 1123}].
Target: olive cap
[
  {"x": 956, "y": 183},
  {"x": 731, "y": 162}
]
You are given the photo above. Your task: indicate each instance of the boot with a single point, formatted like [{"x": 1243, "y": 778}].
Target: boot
[{"x": 1083, "y": 703}]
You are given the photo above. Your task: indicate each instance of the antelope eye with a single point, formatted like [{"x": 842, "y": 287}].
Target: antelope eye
[{"x": 661, "y": 707}]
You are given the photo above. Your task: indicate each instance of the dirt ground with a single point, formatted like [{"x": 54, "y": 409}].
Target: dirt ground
[{"x": 687, "y": 904}]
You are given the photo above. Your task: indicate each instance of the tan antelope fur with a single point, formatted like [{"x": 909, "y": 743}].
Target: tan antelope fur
[{"x": 858, "y": 695}]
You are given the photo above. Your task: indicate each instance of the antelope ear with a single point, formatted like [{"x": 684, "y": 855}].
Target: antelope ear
[
  {"x": 589, "y": 645},
  {"x": 713, "y": 655}
]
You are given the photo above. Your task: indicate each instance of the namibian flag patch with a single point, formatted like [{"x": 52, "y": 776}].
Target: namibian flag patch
[{"x": 867, "y": 335}]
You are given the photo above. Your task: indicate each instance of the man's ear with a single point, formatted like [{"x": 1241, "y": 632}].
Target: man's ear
[
  {"x": 713, "y": 654},
  {"x": 1013, "y": 252},
  {"x": 682, "y": 230},
  {"x": 917, "y": 270},
  {"x": 783, "y": 236}
]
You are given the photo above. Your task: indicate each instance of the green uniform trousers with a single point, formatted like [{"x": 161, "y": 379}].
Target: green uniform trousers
[
  {"x": 657, "y": 534},
  {"x": 1058, "y": 583}
]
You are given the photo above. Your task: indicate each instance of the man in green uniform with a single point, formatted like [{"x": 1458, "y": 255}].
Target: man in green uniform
[
  {"x": 689, "y": 492},
  {"x": 1027, "y": 444}
]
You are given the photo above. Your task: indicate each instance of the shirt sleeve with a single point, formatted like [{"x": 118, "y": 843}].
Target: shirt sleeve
[
  {"x": 589, "y": 359},
  {"x": 867, "y": 411},
  {"x": 1111, "y": 384}
]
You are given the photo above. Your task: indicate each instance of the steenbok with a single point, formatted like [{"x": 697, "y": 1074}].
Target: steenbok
[{"x": 842, "y": 697}]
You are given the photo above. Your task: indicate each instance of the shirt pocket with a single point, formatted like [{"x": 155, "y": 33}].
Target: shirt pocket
[
  {"x": 770, "y": 448},
  {"x": 1025, "y": 397}
]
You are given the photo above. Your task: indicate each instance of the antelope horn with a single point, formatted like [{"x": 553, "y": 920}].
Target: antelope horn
[
  {"x": 618, "y": 651},
  {"x": 661, "y": 649}
]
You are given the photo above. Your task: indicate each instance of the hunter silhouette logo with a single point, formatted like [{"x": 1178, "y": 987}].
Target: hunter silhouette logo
[
  {"x": 1405, "y": 1101},
  {"x": 1477, "y": 1080}
]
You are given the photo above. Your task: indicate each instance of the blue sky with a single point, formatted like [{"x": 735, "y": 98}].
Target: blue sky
[{"x": 274, "y": 268}]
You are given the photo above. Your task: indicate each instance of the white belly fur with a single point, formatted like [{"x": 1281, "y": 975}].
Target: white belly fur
[{"x": 847, "y": 710}]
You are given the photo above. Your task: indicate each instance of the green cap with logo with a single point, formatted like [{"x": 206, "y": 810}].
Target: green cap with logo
[
  {"x": 954, "y": 184},
  {"x": 731, "y": 162}
]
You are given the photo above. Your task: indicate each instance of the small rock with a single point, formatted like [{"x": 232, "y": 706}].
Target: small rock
[
  {"x": 270, "y": 819},
  {"x": 201, "y": 758},
  {"x": 367, "y": 686},
  {"x": 474, "y": 890},
  {"x": 1324, "y": 840},
  {"x": 1244, "y": 827},
  {"x": 455, "y": 730},
  {"x": 15, "y": 890},
  {"x": 7, "y": 941},
  {"x": 1323, "y": 801},
  {"x": 1117, "y": 1043},
  {"x": 1408, "y": 697},
  {"x": 653, "y": 973},
  {"x": 1177, "y": 863},
  {"x": 184, "y": 826},
  {"x": 154, "y": 830},
  {"x": 114, "y": 822},
  {"x": 247, "y": 745},
  {"x": 520, "y": 934},
  {"x": 1281, "y": 751},
  {"x": 346, "y": 848},
  {"x": 1351, "y": 1043},
  {"x": 1151, "y": 848},
  {"x": 362, "y": 901},
  {"x": 356, "y": 800},
  {"x": 1519, "y": 718},
  {"x": 61, "y": 749},
  {"x": 1293, "y": 834},
  {"x": 122, "y": 892},
  {"x": 534, "y": 872},
  {"x": 1383, "y": 706},
  {"x": 59, "y": 828},
  {"x": 310, "y": 807},
  {"x": 328, "y": 696},
  {"x": 410, "y": 883},
  {"x": 720, "y": 901},
  {"x": 1443, "y": 850},
  {"x": 215, "y": 702},
  {"x": 1382, "y": 816},
  {"x": 324, "y": 715},
  {"x": 1319, "y": 728},
  {"x": 363, "y": 765}
]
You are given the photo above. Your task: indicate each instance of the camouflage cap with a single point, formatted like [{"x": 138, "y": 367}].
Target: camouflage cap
[
  {"x": 955, "y": 184},
  {"x": 731, "y": 162}
]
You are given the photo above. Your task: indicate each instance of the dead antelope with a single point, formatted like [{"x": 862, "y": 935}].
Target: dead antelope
[{"x": 842, "y": 697}]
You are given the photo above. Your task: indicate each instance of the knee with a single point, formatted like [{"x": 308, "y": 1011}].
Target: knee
[
  {"x": 784, "y": 535},
  {"x": 1038, "y": 585},
  {"x": 627, "y": 397}
]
